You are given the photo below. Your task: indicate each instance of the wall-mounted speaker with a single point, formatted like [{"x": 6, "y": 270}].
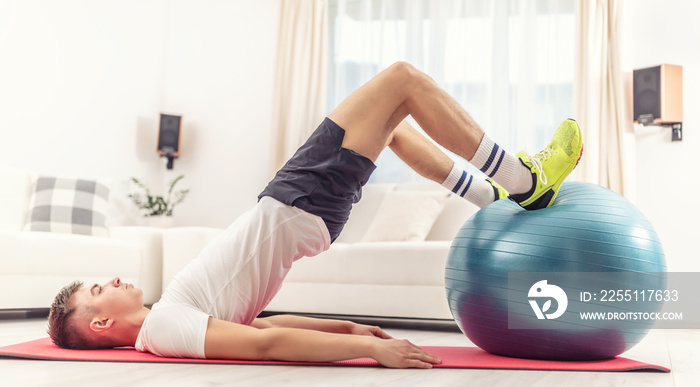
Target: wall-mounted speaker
[
  {"x": 169, "y": 137},
  {"x": 658, "y": 94}
]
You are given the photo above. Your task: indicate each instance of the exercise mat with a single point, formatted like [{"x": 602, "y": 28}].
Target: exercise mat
[{"x": 452, "y": 357}]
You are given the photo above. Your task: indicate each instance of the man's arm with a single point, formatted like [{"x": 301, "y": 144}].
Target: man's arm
[
  {"x": 226, "y": 340},
  {"x": 316, "y": 324}
]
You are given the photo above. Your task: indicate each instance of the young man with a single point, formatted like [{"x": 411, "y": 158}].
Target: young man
[{"x": 210, "y": 308}]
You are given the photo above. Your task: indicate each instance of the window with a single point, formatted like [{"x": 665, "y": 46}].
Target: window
[{"x": 510, "y": 64}]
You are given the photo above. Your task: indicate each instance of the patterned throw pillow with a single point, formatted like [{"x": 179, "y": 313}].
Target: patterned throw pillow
[{"x": 66, "y": 205}]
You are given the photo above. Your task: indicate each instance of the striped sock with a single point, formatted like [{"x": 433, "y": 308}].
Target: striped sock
[
  {"x": 476, "y": 190},
  {"x": 502, "y": 167}
]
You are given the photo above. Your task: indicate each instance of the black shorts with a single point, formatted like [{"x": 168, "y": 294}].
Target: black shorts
[{"x": 322, "y": 178}]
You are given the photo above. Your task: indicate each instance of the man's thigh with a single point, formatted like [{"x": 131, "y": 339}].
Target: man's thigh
[{"x": 371, "y": 112}]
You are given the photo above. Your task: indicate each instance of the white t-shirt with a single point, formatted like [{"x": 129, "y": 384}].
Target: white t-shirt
[{"x": 233, "y": 278}]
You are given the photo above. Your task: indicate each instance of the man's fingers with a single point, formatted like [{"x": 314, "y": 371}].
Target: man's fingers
[
  {"x": 378, "y": 332},
  {"x": 414, "y": 363},
  {"x": 418, "y": 358},
  {"x": 418, "y": 353},
  {"x": 425, "y": 356},
  {"x": 404, "y": 354},
  {"x": 381, "y": 334}
]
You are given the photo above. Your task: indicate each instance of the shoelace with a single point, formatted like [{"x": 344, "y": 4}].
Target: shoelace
[{"x": 536, "y": 161}]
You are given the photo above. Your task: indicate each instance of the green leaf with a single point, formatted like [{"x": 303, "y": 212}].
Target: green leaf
[{"x": 157, "y": 205}]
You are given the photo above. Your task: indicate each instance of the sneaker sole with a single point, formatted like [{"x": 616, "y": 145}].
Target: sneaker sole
[{"x": 557, "y": 185}]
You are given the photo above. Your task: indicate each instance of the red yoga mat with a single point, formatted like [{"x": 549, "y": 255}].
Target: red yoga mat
[{"x": 452, "y": 357}]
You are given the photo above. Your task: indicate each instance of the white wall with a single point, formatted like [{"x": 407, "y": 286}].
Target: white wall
[
  {"x": 82, "y": 84},
  {"x": 667, "y": 172},
  {"x": 74, "y": 81},
  {"x": 220, "y": 73}
]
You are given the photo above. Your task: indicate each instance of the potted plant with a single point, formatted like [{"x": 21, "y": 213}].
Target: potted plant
[{"x": 158, "y": 209}]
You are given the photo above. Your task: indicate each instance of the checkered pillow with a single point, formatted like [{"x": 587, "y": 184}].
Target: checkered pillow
[{"x": 66, "y": 205}]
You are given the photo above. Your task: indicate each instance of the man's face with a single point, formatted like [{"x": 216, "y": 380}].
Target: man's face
[{"x": 114, "y": 299}]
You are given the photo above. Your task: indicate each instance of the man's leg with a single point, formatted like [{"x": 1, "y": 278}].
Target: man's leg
[
  {"x": 419, "y": 153},
  {"x": 372, "y": 112}
]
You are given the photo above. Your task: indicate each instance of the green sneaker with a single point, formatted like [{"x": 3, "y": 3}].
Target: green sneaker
[
  {"x": 551, "y": 166},
  {"x": 498, "y": 191}
]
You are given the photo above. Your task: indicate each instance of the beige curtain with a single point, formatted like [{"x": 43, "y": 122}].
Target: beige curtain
[
  {"x": 300, "y": 79},
  {"x": 599, "y": 96}
]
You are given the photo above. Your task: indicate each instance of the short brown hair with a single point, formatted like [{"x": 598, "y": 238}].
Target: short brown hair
[{"x": 63, "y": 327}]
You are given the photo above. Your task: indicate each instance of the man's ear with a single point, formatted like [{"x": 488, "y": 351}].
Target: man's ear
[{"x": 101, "y": 324}]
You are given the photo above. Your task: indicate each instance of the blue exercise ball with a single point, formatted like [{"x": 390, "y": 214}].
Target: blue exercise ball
[{"x": 506, "y": 264}]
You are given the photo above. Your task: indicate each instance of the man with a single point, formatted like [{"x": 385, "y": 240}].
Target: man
[{"x": 210, "y": 308}]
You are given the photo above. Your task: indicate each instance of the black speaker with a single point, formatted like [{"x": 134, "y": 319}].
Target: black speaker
[
  {"x": 658, "y": 94},
  {"x": 647, "y": 92},
  {"x": 169, "y": 135}
]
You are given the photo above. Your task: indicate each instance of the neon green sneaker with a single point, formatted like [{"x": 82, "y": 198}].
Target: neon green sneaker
[
  {"x": 498, "y": 191},
  {"x": 551, "y": 166}
]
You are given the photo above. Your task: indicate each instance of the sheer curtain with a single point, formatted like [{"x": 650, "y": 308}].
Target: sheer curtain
[
  {"x": 509, "y": 63},
  {"x": 600, "y": 96},
  {"x": 300, "y": 79}
]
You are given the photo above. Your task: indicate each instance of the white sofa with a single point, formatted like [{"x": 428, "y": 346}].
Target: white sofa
[
  {"x": 396, "y": 279},
  {"x": 34, "y": 265}
]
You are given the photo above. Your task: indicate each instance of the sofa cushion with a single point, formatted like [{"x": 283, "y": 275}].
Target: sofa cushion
[
  {"x": 35, "y": 265},
  {"x": 405, "y": 216},
  {"x": 69, "y": 205},
  {"x": 363, "y": 212},
  {"x": 456, "y": 211},
  {"x": 387, "y": 279}
]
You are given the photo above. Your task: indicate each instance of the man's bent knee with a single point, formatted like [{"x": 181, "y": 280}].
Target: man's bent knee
[
  {"x": 410, "y": 79},
  {"x": 403, "y": 70}
]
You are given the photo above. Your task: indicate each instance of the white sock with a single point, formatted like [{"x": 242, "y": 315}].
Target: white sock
[
  {"x": 505, "y": 169},
  {"x": 474, "y": 189}
]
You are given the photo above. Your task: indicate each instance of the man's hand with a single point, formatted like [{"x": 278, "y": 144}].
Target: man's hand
[
  {"x": 367, "y": 330},
  {"x": 403, "y": 354}
]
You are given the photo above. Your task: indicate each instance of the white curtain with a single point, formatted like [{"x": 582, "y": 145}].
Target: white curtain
[
  {"x": 508, "y": 62},
  {"x": 600, "y": 95},
  {"x": 300, "y": 81}
]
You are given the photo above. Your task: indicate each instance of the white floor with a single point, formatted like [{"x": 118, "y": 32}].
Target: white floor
[{"x": 677, "y": 349}]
